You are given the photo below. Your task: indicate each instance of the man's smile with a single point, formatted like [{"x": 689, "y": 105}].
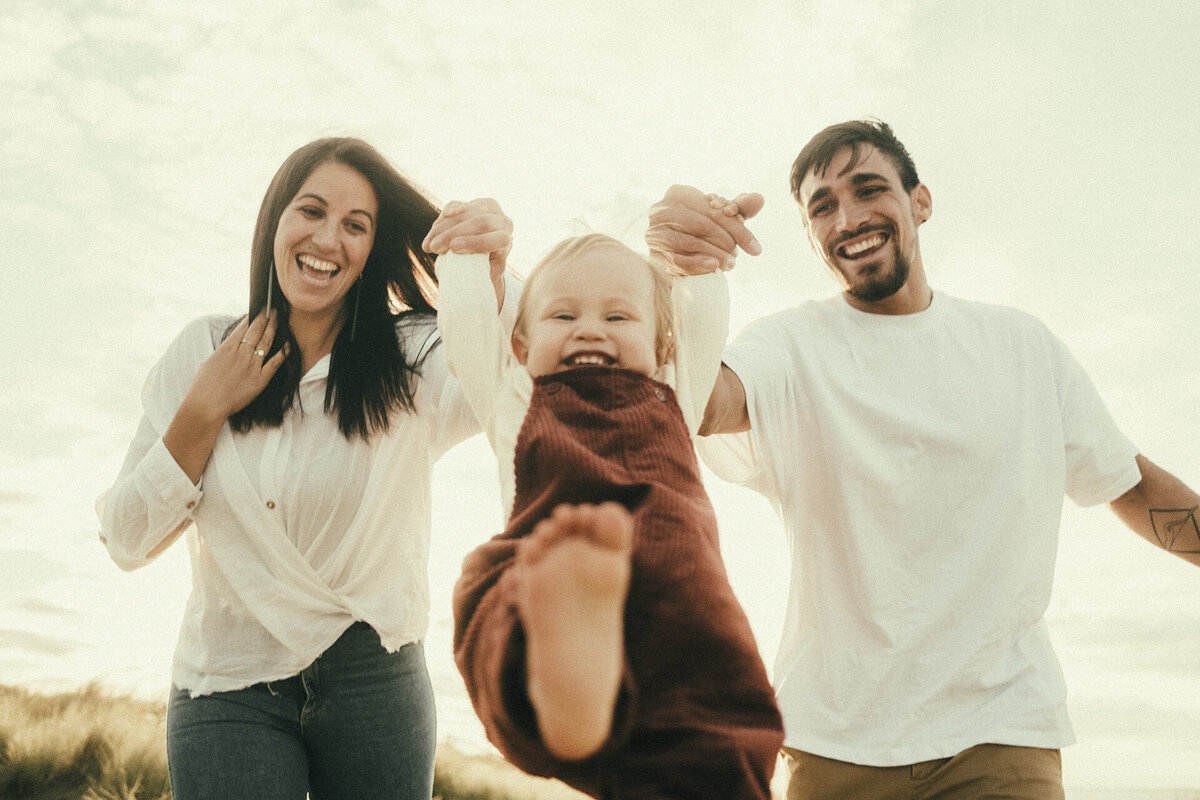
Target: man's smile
[{"x": 862, "y": 245}]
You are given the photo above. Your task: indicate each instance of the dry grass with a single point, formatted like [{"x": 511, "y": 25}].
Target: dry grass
[
  {"x": 84, "y": 745},
  {"x": 459, "y": 776},
  {"x": 92, "y": 745}
]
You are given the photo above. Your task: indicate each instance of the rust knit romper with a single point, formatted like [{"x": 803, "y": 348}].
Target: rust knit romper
[{"x": 696, "y": 717}]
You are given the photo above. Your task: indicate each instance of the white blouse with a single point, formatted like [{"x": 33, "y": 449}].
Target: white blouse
[{"x": 294, "y": 532}]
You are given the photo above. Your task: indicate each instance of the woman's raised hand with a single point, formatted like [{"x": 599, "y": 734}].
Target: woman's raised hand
[
  {"x": 478, "y": 226},
  {"x": 238, "y": 370}
]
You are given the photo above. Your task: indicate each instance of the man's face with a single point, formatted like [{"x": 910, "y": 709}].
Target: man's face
[{"x": 863, "y": 224}]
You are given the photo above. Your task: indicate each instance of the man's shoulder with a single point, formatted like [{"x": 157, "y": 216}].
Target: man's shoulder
[
  {"x": 790, "y": 335},
  {"x": 985, "y": 312},
  {"x": 801, "y": 316},
  {"x": 1004, "y": 330}
]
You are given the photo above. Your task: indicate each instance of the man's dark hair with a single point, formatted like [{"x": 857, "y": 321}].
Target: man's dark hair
[{"x": 819, "y": 153}]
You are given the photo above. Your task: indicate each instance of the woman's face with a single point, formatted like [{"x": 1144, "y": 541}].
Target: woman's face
[{"x": 324, "y": 237}]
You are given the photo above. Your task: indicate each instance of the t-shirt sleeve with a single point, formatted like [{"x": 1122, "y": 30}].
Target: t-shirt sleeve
[
  {"x": 758, "y": 360},
  {"x": 1101, "y": 462}
]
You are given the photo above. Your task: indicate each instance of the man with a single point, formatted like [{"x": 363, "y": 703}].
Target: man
[{"x": 918, "y": 447}]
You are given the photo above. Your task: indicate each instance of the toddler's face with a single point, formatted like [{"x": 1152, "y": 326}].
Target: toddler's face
[{"x": 597, "y": 309}]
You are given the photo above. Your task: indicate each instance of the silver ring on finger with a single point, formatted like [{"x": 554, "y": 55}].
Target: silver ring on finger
[
  {"x": 260, "y": 353},
  {"x": 246, "y": 341}
]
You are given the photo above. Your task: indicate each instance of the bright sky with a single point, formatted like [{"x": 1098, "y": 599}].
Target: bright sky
[{"x": 1058, "y": 140}]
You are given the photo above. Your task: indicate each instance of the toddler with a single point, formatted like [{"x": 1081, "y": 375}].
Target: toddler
[{"x": 598, "y": 635}]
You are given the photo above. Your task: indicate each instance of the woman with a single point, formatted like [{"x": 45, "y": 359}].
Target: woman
[{"x": 295, "y": 447}]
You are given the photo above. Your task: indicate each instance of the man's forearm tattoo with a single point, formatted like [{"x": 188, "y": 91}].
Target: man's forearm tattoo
[{"x": 1176, "y": 529}]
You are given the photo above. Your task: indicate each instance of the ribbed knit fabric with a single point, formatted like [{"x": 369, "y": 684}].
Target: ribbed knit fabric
[{"x": 696, "y": 716}]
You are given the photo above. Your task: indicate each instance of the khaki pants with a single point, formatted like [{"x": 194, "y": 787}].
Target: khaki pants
[{"x": 993, "y": 771}]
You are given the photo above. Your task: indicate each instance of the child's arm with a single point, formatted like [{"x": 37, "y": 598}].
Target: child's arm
[
  {"x": 701, "y": 328},
  {"x": 477, "y": 345}
]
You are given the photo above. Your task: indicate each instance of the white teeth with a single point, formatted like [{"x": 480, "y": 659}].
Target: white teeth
[
  {"x": 864, "y": 245},
  {"x": 588, "y": 359},
  {"x": 316, "y": 263}
]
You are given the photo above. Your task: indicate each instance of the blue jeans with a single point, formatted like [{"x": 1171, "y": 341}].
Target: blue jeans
[{"x": 359, "y": 722}]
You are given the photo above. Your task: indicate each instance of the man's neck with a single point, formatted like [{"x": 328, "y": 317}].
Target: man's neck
[{"x": 912, "y": 298}]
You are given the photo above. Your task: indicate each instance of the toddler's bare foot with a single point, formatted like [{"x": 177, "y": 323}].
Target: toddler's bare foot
[{"x": 573, "y": 574}]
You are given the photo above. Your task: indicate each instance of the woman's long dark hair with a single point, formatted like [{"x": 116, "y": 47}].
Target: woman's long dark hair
[{"x": 370, "y": 375}]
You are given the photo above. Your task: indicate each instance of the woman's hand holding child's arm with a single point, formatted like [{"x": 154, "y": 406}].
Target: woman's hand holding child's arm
[{"x": 475, "y": 227}]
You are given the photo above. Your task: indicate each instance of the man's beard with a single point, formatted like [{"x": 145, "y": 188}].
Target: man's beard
[{"x": 880, "y": 286}]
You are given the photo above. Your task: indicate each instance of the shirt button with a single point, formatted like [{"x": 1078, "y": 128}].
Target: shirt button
[
  {"x": 191, "y": 504},
  {"x": 660, "y": 393},
  {"x": 552, "y": 388},
  {"x": 270, "y": 504}
]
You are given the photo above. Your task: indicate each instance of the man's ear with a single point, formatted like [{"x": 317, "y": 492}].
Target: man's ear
[
  {"x": 922, "y": 203},
  {"x": 520, "y": 347}
]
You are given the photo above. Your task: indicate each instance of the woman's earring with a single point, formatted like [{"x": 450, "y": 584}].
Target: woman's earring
[{"x": 357, "y": 299}]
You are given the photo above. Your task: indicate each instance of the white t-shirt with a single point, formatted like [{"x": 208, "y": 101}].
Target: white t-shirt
[
  {"x": 919, "y": 464},
  {"x": 295, "y": 532}
]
